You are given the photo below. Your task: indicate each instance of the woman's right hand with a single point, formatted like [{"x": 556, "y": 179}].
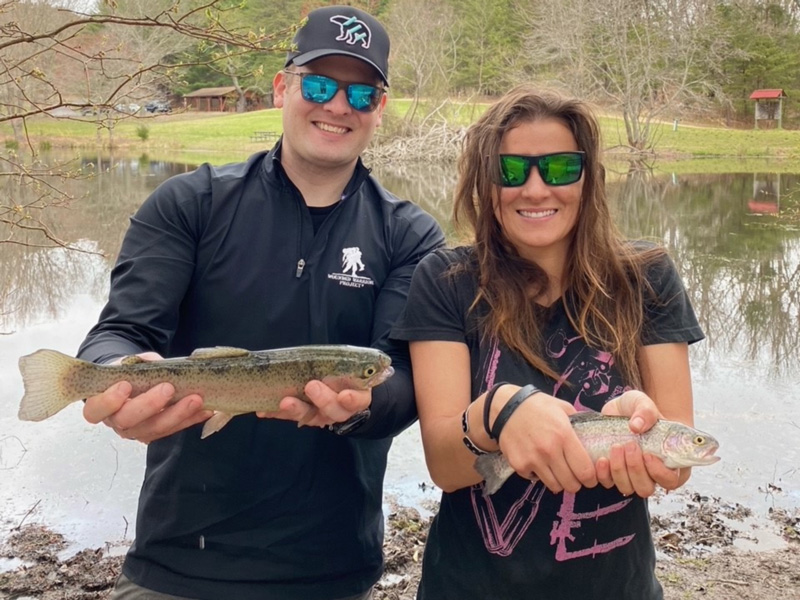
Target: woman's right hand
[
  {"x": 627, "y": 468},
  {"x": 538, "y": 441},
  {"x": 148, "y": 416}
]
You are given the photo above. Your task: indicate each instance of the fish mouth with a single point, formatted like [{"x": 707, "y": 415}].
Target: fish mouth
[
  {"x": 709, "y": 458},
  {"x": 694, "y": 461},
  {"x": 379, "y": 378}
]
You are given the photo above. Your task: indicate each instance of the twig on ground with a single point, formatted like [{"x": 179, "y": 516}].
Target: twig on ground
[
  {"x": 116, "y": 466},
  {"x": 27, "y": 514},
  {"x": 24, "y": 450},
  {"x": 730, "y": 581}
]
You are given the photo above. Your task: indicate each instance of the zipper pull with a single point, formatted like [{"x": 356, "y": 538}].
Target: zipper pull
[{"x": 300, "y": 266}]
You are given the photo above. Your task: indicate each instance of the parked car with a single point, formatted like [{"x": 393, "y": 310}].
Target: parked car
[
  {"x": 131, "y": 108},
  {"x": 93, "y": 111},
  {"x": 158, "y": 106}
]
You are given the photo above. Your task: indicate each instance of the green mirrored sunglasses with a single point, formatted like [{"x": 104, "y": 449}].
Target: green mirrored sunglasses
[{"x": 558, "y": 168}]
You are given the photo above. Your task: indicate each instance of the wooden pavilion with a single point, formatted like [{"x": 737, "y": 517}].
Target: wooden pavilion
[
  {"x": 220, "y": 99},
  {"x": 769, "y": 106}
]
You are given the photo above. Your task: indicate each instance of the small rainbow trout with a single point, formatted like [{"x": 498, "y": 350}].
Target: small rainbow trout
[
  {"x": 232, "y": 381},
  {"x": 676, "y": 444}
]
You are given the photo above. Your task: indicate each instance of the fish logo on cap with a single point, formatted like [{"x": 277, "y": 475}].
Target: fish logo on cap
[{"x": 352, "y": 31}]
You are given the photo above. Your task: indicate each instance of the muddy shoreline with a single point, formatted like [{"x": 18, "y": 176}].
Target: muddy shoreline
[{"x": 700, "y": 556}]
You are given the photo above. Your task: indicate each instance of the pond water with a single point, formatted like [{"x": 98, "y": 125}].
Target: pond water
[{"x": 739, "y": 258}]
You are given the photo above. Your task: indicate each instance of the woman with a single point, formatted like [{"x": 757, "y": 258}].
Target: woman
[{"x": 548, "y": 294}]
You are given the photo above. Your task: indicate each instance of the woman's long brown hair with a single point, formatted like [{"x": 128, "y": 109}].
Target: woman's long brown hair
[{"x": 604, "y": 275}]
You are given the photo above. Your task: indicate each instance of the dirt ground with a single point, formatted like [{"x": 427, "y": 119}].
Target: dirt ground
[{"x": 698, "y": 559}]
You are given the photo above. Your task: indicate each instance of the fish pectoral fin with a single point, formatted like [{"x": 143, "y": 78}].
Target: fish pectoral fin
[
  {"x": 218, "y": 352},
  {"x": 216, "y": 422}
]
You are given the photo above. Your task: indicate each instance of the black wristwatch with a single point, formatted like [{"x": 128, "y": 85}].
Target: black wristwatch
[{"x": 353, "y": 423}]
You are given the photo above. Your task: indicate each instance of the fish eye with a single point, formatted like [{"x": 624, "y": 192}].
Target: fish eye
[
  {"x": 370, "y": 371},
  {"x": 699, "y": 440}
]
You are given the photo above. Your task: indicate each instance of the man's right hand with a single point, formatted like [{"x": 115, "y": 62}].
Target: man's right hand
[{"x": 148, "y": 416}]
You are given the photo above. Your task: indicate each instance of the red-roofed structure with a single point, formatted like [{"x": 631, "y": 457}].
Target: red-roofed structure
[
  {"x": 767, "y": 95},
  {"x": 769, "y": 106}
]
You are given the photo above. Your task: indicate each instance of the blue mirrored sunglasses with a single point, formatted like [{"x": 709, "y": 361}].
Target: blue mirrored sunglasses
[
  {"x": 321, "y": 89},
  {"x": 558, "y": 168}
]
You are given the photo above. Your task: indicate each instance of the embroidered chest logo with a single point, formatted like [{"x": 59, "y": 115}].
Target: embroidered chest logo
[
  {"x": 352, "y": 265},
  {"x": 352, "y": 31}
]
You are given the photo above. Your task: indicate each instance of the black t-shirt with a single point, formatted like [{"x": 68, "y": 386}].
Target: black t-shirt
[{"x": 524, "y": 541}]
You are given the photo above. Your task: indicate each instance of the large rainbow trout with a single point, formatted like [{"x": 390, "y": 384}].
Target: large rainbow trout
[{"x": 232, "y": 381}]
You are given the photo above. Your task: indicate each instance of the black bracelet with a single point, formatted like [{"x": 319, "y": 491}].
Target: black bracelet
[
  {"x": 513, "y": 404},
  {"x": 471, "y": 446},
  {"x": 487, "y": 403}
]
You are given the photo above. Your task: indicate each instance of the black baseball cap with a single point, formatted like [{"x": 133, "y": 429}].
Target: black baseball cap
[{"x": 343, "y": 31}]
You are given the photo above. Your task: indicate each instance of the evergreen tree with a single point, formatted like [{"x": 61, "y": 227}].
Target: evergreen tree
[
  {"x": 489, "y": 45},
  {"x": 765, "y": 53}
]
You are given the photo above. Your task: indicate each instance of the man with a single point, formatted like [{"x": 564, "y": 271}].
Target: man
[{"x": 253, "y": 255}]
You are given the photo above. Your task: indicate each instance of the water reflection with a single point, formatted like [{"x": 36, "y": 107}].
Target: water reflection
[
  {"x": 430, "y": 185},
  {"x": 740, "y": 262},
  {"x": 742, "y": 274},
  {"x": 39, "y": 283},
  {"x": 99, "y": 197},
  {"x": 742, "y": 271},
  {"x": 766, "y": 199}
]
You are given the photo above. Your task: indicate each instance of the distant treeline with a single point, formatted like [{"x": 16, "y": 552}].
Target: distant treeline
[{"x": 676, "y": 57}]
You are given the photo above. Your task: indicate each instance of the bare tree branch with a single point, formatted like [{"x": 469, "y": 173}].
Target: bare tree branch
[
  {"x": 95, "y": 65},
  {"x": 649, "y": 60}
]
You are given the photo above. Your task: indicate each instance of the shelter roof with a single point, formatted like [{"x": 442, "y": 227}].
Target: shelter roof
[
  {"x": 767, "y": 94},
  {"x": 212, "y": 91}
]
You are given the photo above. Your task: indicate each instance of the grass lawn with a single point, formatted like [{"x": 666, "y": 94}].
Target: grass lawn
[
  {"x": 210, "y": 132},
  {"x": 716, "y": 141},
  {"x": 181, "y": 135}
]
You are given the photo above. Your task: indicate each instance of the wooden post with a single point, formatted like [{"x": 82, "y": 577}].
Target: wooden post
[{"x": 780, "y": 113}]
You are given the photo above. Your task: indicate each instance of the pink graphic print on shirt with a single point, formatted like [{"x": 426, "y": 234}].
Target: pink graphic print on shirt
[{"x": 589, "y": 372}]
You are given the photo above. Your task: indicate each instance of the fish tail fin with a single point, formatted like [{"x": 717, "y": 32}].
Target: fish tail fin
[
  {"x": 43, "y": 376},
  {"x": 494, "y": 469}
]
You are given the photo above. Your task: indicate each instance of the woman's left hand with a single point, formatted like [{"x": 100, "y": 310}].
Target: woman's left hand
[{"x": 627, "y": 467}]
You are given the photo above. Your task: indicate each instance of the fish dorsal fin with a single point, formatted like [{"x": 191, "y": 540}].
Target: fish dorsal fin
[
  {"x": 132, "y": 360},
  {"x": 218, "y": 352}
]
